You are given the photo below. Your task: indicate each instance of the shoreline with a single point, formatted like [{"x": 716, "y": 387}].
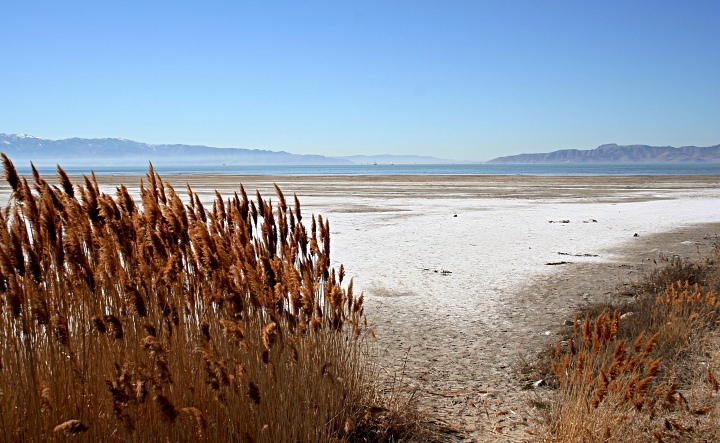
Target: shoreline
[{"x": 388, "y": 169}]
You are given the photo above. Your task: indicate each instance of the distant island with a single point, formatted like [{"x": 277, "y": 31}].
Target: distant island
[
  {"x": 612, "y": 153},
  {"x": 96, "y": 152}
]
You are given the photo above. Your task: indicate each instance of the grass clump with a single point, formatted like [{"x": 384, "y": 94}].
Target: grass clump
[
  {"x": 646, "y": 377},
  {"x": 169, "y": 321}
]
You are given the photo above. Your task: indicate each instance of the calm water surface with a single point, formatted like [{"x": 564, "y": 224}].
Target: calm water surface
[{"x": 596, "y": 169}]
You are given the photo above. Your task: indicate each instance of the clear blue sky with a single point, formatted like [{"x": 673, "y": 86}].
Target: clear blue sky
[{"x": 455, "y": 79}]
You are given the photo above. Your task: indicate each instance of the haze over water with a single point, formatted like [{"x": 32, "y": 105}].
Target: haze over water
[{"x": 575, "y": 169}]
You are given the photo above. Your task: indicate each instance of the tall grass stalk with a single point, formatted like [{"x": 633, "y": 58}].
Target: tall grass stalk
[
  {"x": 650, "y": 380},
  {"x": 159, "y": 320}
]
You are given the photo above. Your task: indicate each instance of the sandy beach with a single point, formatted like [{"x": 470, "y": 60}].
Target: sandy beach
[{"x": 465, "y": 275}]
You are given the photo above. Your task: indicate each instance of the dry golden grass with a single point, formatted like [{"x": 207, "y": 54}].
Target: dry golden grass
[
  {"x": 166, "y": 321},
  {"x": 650, "y": 377}
]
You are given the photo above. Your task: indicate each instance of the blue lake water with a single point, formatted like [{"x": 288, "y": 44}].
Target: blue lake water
[{"x": 567, "y": 169}]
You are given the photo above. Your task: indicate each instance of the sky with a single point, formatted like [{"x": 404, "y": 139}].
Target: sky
[{"x": 463, "y": 80}]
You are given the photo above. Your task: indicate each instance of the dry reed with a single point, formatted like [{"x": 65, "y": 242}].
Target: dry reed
[
  {"x": 640, "y": 382},
  {"x": 169, "y": 321}
]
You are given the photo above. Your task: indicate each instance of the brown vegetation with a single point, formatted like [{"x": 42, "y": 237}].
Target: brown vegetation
[
  {"x": 649, "y": 376},
  {"x": 165, "y": 321}
]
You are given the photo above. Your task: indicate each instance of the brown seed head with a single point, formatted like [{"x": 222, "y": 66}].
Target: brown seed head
[
  {"x": 269, "y": 335},
  {"x": 587, "y": 332},
  {"x": 11, "y": 174},
  {"x": 98, "y": 324},
  {"x": 651, "y": 343},
  {"x": 254, "y": 393},
  {"x": 168, "y": 412},
  {"x": 115, "y": 326},
  {"x": 70, "y": 427},
  {"x": 199, "y": 419}
]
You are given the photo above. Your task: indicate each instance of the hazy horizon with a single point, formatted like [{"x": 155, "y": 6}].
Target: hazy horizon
[
  {"x": 463, "y": 80},
  {"x": 354, "y": 158}
]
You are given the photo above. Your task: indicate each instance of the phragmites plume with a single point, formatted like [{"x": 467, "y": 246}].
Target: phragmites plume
[
  {"x": 98, "y": 324},
  {"x": 254, "y": 393},
  {"x": 269, "y": 335},
  {"x": 200, "y": 421},
  {"x": 298, "y": 214},
  {"x": 282, "y": 204},
  {"x": 587, "y": 332},
  {"x": 114, "y": 326},
  {"x": 60, "y": 326},
  {"x": 65, "y": 182},
  {"x": 651, "y": 343},
  {"x": 146, "y": 318},
  {"x": 10, "y": 173},
  {"x": 71, "y": 427},
  {"x": 166, "y": 408}
]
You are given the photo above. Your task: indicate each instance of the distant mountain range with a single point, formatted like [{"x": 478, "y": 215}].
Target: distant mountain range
[
  {"x": 98, "y": 152},
  {"x": 613, "y": 153},
  {"x": 23, "y": 149}
]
